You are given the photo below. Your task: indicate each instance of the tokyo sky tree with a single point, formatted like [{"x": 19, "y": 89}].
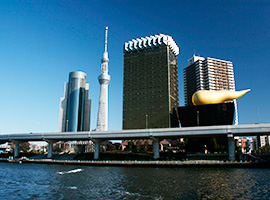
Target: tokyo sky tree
[{"x": 104, "y": 79}]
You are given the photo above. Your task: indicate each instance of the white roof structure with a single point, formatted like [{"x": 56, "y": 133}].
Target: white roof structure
[{"x": 151, "y": 42}]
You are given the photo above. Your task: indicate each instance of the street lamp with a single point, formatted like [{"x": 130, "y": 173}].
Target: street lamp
[
  {"x": 258, "y": 115},
  {"x": 198, "y": 118},
  {"x": 146, "y": 121}
]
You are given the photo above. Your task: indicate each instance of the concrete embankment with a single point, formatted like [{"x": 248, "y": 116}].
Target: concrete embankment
[{"x": 177, "y": 164}]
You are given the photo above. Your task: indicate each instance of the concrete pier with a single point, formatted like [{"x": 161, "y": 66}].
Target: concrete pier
[
  {"x": 17, "y": 150},
  {"x": 156, "y": 148},
  {"x": 231, "y": 147},
  {"x": 97, "y": 145},
  {"x": 50, "y": 149}
]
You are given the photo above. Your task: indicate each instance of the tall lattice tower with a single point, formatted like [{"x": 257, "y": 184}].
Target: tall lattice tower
[{"x": 104, "y": 79}]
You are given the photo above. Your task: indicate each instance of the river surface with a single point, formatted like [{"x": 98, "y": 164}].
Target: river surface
[{"x": 41, "y": 181}]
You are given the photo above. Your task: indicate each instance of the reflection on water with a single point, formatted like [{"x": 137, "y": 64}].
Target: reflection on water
[{"x": 38, "y": 181}]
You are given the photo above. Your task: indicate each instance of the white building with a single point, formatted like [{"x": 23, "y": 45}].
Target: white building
[
  {"x": 264, "y": 140},
  {"x": 261, "y": 141},
  {"x": 5, "y": 148}
]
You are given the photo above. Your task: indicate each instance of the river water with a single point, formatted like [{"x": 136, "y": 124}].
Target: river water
[{"x": 41, "y": 181}]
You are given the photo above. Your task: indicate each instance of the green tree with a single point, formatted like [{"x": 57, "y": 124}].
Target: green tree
[
  {"x": 129, "y": 146},
  {"x": 134, "y": 148},
  {"x": 146, "y": 145},
  {"x": 25, "y": 147},
  {"x": 138, "y": 146}
]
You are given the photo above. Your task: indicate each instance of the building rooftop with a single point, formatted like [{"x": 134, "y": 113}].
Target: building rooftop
[{"x": 151, "y": 42}]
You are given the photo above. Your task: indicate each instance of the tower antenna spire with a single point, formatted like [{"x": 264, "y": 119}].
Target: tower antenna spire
[
  {"x": 105, "y": 58},
  {"x": 106, "y": 36}
]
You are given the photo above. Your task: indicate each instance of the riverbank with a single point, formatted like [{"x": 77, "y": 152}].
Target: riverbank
[{"x": 135, "y": 163}]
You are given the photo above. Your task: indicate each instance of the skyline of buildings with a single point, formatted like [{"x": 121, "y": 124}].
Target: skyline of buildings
[
  {"x": 44, "y": 46},
  {"x": 75, "y": 106},
  {"x": 150, "y": 73},
  {"x": 150, "y": 89},
  {"x": 150, "y": 86}
]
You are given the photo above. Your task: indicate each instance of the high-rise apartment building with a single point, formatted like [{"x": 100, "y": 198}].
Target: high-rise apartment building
[
  {"x": 208, "y": 74},
  {"x": 75, "y": 107},
  {"x": 150, "y": 93}
]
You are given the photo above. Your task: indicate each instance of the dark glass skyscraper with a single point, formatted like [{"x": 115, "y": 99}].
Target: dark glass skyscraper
[
  {"x": 75, "y": 106},
  {"x": 150, "y": 94}
]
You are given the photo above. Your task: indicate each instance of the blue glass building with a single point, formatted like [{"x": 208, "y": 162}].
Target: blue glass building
[{"x": 75, "y": 107}]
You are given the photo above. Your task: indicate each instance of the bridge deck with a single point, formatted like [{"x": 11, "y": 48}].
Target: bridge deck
[{"x": 166, "y": 133}]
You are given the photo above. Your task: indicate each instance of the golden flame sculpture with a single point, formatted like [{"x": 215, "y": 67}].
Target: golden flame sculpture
[{"x": 203, "y": 97}]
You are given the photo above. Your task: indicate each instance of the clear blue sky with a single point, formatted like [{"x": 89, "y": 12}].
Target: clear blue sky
[{"x": 42, "y": 41}]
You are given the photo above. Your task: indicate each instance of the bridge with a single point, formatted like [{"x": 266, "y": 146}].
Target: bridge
[{"x": 155, "y": 134}]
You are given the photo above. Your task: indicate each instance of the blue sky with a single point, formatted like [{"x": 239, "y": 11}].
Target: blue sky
[{"x": 42, "y": 41}]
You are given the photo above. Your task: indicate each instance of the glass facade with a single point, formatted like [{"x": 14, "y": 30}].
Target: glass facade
[
  {"x": 76, "y": 90},
  {"x": 206, "y": 115},
  {"x": 150, "y": 93}
]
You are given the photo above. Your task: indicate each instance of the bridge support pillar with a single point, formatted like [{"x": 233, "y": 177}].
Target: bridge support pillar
[
  {"x": 156, "y": 148},
  {"x": 231, "y": 147},
  {"x": 96, "y": 153},
  {"x": 16, "y": 150},
  {"x": 50, "y": 149}
]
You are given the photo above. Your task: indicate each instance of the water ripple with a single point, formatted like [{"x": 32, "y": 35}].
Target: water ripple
[{"x": 36, "y": 181}]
